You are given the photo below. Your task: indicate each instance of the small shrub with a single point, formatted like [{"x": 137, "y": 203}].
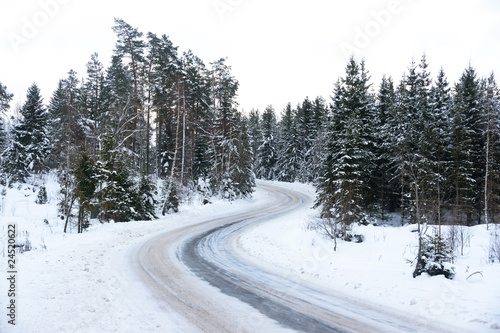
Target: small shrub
[
  {"x": 172, "y": 201},
  {"x": 27, "y": 244},
  {"x": 41, "y": 199},
  {"x": 494, "y": 252},
  {"x": 435, "y": 258},
  {"x": 357, "y": 238}
]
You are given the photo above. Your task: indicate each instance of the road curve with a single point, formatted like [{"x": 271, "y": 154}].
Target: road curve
[{"x": 195, "y": 272}]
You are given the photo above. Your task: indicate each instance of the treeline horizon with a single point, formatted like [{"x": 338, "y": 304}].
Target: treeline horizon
[{"x": 421, "y": 147}]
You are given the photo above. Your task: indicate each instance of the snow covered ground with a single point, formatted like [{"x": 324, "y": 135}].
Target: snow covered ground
[
  {"x": 376, "y": 270},
  {"x": 85, "y": 283}
]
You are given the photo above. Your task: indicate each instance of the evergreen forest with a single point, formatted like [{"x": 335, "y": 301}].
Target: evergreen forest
[{"x": 135, "y": 139}]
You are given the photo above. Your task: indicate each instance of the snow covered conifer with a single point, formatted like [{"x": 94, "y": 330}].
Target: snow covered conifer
[
  {"x": 31, "y": 144},
  {"x": 41, "y": 197},
  {"x": 440, "y": 104},
  {"x": 146, "y": 203},
  {"x": 171, "y": 204},
  {"x": 306, "y": 130},
  {"x": 266, "y": 153},
  {"x": 467, "y": 148},
  {"x": 288, "y": 162},
  {"x": 491, "y": 116},
  {"x": 341, "y": 188},
  {"x": 242, "y": 173},
  {"x": 383, "y": 183},
  {"x": 5, "y": 98},
  {"x": 254, "y": 136},
  {"x": 85, "y": 187}
]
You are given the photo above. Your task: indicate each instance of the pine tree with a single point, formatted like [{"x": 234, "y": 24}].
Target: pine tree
[
  {"x": 96, "y": 101},
  {"x": 171, "y": 204},
  {"x": 224, "y": 141},
  {"x": 130, "y": 45},
  {"x": 319, "y": 132},
  {"x": 197, "y": 109},
  {"x": 439, "y": 144},
  {"x": 67, "y": 130},
  {"x": 255, "y": 136},
  {"x": 491, "y": 106},
  {"x": 146, "y": 203},
  {"x": 117, "y": 193},
  {"x": 417, "y": 163},
  {"x": 435, "y": 254},
  {"x": 165, "y": 65},
  {"x": 31, "y": 143},
  {"x": 41, "y": 198},
  {"x": 306, "y": 130},
  {"x": 5, "y": 98},
  {"x": 201, "y": 163},
  {"x": 467, "y": 148},
  {"x": 266, "y": 153},
  {"x": 348, "y": 151},
  {"x": 85, "y": 187},
  {"x": 288, "y": 162},
  {"x": 384, "y": 183},
  {"x": 242, "y": 173}
]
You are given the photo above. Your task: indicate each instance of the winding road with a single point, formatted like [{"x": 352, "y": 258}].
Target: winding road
[{"x": 195, "y": 270}]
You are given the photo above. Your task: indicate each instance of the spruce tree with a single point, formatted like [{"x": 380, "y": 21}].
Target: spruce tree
[
  {"x": 319, "y": 132},
  {"x": 306, "y": 130},
  {"x": 242, "y": 172},
  {"x": 165, "y": 65},
  {"x": 201, "y": 162},
  {"x": 384, "y": 184},
  {"x": 439, "y": 145},
  {"x": 67, "y": 127},
  {"x": 96, "y": 101},
  {"x": 5, "y": 98},
  {"x": 348, "y": 152},
  {"x": 223, "y": 137},
  {"x": 145, "y": 208},
  {"x": 491, "y": 106},
  {"x": 467, "y": 149},
  {"x": 31, "y": 145},
  {"x": 266, "y": 153},
  {"x": 117, "y": 193},
  {"x": 85, "y": 187},
  {"x": 130, "y": 46},
  {"x": 288, "y": 162},
  {"x": 255, "y": 136}
]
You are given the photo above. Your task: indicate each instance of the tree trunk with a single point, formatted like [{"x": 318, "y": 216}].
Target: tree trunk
[
  {"x": 164, "y": 210},
  {"x": 486, "y": 176},
  {"x": 183, "y": 136}
]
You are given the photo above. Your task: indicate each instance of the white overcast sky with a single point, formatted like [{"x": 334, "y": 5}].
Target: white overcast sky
[{"x": 280, "y": 51}]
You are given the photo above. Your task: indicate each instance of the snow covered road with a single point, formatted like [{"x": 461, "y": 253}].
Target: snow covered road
[{"x": 197, "y": 271}]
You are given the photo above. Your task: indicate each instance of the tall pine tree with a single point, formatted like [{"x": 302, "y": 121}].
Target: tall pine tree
[
  {"x": 342, "y": 188},
  {"x": 266, "y": 153},
  {"x": 30, "y": 147}
]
